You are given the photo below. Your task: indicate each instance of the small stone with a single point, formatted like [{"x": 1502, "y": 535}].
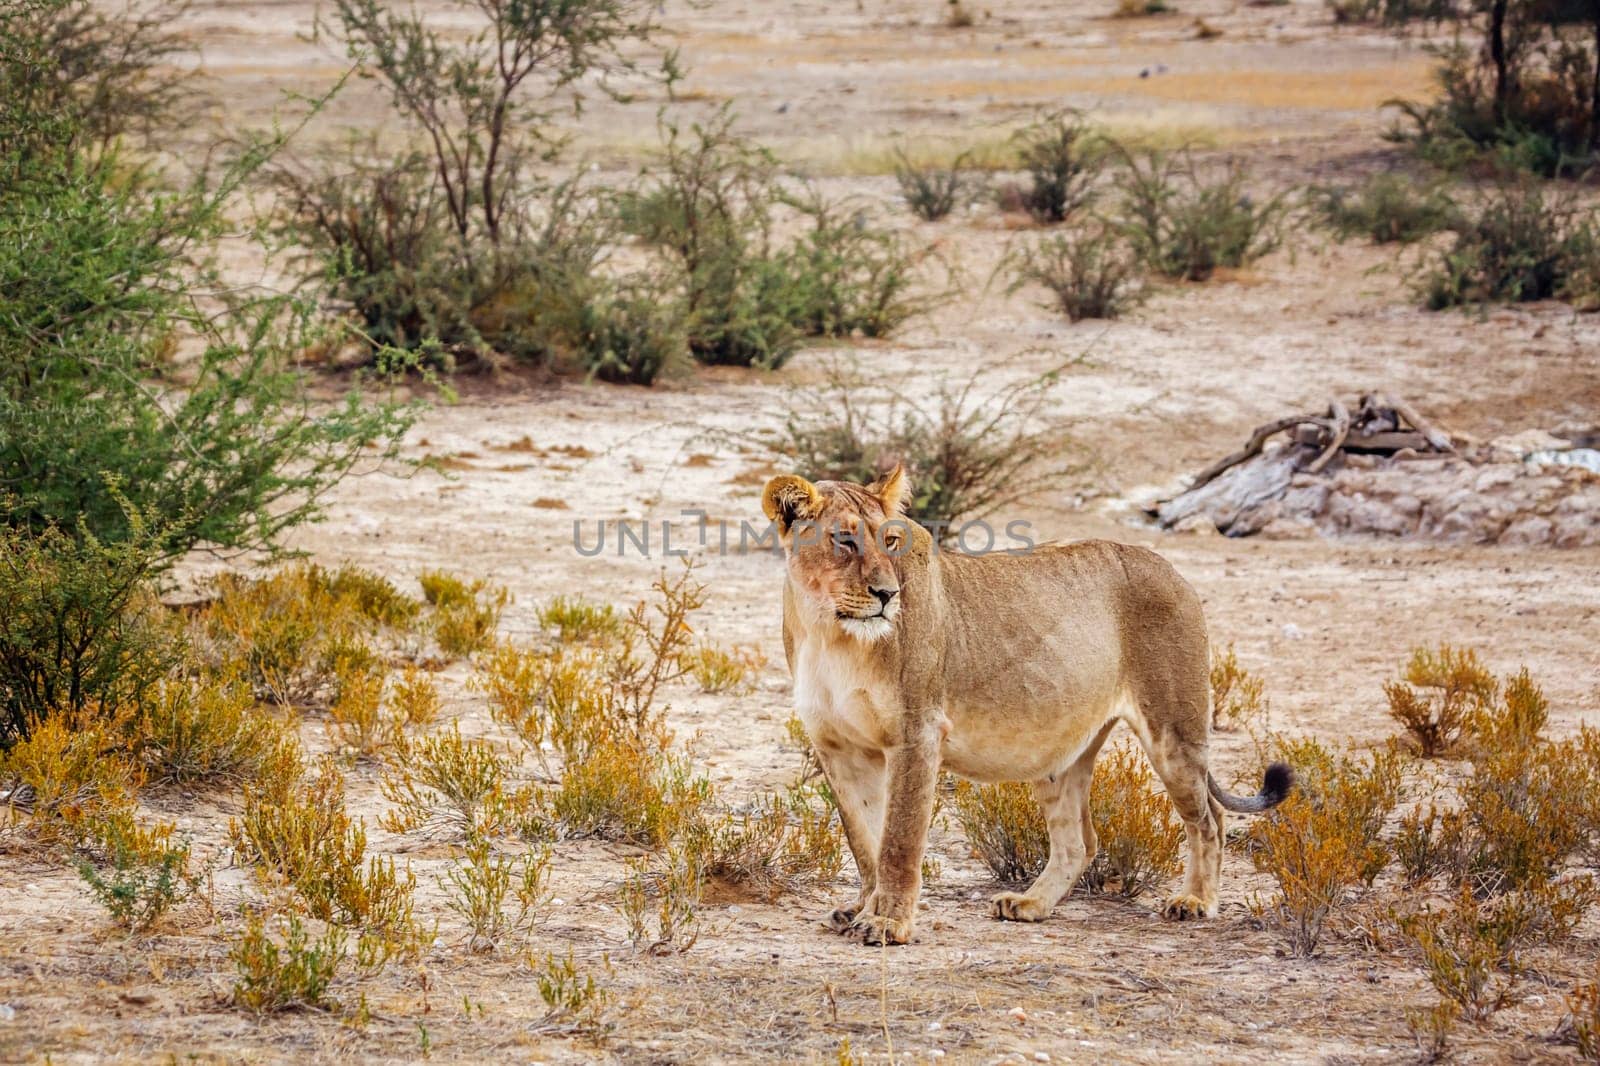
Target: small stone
[
  {"x": 1291, "y": 631},
  {"x": 1018, "y": 1015},
  {"x": 1041, "y": 1056},
  {"x": 7, "y": 1012}
]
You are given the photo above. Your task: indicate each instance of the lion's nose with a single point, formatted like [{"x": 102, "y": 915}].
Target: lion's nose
[{"x": 884, "y": 594}]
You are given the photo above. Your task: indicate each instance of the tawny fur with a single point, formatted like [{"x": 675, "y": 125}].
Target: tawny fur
[{"x": 997, "y": 667}]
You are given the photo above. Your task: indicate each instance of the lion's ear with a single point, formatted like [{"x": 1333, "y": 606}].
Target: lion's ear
[
  {"x": 790, "y": 499},
  {"x": 893, "y": 490}
]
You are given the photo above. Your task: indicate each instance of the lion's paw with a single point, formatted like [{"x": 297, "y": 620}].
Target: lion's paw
[
  {"x": 875, "y": 929},
  {"x": 842, "y": 919},
  {"x": 1183, "y": 907},
  {"x": 1017, "y": 907}
]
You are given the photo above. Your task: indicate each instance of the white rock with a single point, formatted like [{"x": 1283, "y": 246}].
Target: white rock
[{"x": 1292, "y": 632}]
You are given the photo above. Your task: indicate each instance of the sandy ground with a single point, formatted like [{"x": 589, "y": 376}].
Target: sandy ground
[{"x": 1157, "y": 395}]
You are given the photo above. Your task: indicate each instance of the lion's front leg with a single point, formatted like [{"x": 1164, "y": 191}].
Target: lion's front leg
[
  {"x": 889, "y": 914},
  {"x": 856, "y": 778}
]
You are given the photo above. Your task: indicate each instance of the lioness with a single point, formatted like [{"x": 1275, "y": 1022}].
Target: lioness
[{"x": 999, "y": 667}]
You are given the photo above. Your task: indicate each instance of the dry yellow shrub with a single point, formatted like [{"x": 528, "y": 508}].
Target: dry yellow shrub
[
  {"x": 1325, "y": 839},
  {"x": 444, "y": 785},
  {"x": 718, "y": 670},
  {"x": 1439, "y": 695},
  {"x": 68, "y": 775},
  {"x": 358, "y": 720},
  {"x": 204, "y": 729},
  {"x": 1140, "y": 838},
  {"x": 415, "y": 697},
  {"x": 1236, "y": 694},
  {"x": 576, "y": 619},
  {"x": 779, "y": 842},
  {"x": 1005, "y": 828},
  {"x": 465, "y": 614}
]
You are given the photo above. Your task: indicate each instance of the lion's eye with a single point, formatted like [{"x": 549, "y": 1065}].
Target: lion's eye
[
  {"x": 844, "y": 542},
  {"x": 891, "y": 542}
]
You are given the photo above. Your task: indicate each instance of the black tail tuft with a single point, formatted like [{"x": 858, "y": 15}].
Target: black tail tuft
[
  {"x": 1275, "y": 788},
  {"x": 1277, "y": 783}
]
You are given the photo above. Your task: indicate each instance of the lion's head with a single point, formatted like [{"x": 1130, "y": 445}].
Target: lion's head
[{"x": 841, "y": 541}]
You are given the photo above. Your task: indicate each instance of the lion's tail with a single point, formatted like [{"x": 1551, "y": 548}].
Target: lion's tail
[{"x": 1275, "y": 786}]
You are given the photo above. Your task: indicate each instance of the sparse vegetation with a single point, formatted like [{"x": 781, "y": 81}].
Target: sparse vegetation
[
  {"x": 1005, "y": 827},
  {"x": 141, "y": 872},
  {"x": 1325, "y": 839},
  {"x": 1389, "y": 208},
  {"x": 1237, "y": 699},
  {"x": 1185, "y": 221},
  {"x": 1520, "y": 244},
  {"x": 484, "y": 883},
  {"x": 969, "y": 451},
  {"x": 292, "y": 970},
  {"x": 1062, "y": 157},
  {"x": 465, "y": 613},
  {"x": 1439, "y": 694},
  {"x": 1090, "y": 272},
  {"x": 932, "y": 190}
]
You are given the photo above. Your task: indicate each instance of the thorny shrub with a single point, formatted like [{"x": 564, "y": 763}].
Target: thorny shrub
[
  {"x": 1062, "y": 158},
  {"x": 1091, "y": 272},
  {"x": 1471, "y": 948},
  {"x": 1185, "y": 224},
  {"x": 931, "y": 190},
  {"x": 78, "y": 627},
  {"x": 1519, "y": 244},
  {"x": 415, "y": 697},
  {"x": 1388, "y": 209},
  {"x": 972, "y": 448}
]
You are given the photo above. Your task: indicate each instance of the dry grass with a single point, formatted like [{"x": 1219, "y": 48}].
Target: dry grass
[{"x": 1438, "y": 695}]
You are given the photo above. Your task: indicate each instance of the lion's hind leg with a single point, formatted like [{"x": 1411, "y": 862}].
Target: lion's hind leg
[
  {"x": 1181, "y": 766},
  {"x": 1064, "y": 800}
]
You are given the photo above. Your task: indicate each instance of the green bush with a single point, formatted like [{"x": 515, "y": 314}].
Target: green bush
[
  {"x": 849, "y": 278},
  {"x": 1519, "y": 244},
  {"x": 463, "y": 251},
  {"x": 1062, "y": 159},
  {"x": 102, "y": 267},
  {"x": 143, "y": 872},
  {"x": 78, "y": 630},
  {"x": 930, "y": 190},
  {"x": 1090, "y": 272},
  {"x": 1388, "y": 209},
  {"x": 1185, "y": 224},
  {"x": 709, "y": 208},
  {"x": 1524, "y": 100},
  {"x": 77, "y": 77}
]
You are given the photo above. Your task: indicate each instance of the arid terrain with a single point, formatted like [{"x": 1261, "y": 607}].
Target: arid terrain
[{"x": 523, "y": 462}]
